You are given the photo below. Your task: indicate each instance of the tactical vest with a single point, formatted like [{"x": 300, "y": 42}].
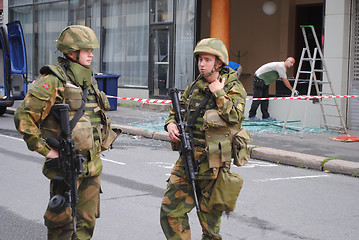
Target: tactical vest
[
  {"x": 211, "y": 132},
  {"x": 92, "y": 132},
  {"x": 194, "y": 98}
]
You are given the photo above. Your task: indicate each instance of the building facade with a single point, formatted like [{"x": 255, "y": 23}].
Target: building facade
[
  {"x": 150, "y": 42},
  {"x": 139, "y": 39}
]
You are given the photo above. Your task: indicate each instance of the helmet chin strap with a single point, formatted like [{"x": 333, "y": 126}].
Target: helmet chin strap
[
  {"x": 73, "y": 60},
  {"x": 214, "y": 69}
]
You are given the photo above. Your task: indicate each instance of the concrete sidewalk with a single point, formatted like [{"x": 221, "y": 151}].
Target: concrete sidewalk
[{"x": 314, "y": 150}]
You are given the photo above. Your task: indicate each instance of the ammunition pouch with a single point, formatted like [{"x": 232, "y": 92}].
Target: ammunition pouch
[
  {"x": 82, "y": 134},
  {"x": 224, "y": 141},
  {"x": 240, "y": 151},
  {"x": 218, "y": 139},
  {"x": 107, "y": 134},
  {"x": 73, "y": 97},
  {"x": 104, "y": 101}
]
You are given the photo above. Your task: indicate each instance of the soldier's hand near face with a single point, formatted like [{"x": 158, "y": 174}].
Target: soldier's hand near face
[
  {"x": 173, "y": 132},
  {"x": 216, "y": 85}
]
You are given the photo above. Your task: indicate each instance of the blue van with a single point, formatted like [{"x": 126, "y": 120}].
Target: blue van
[{"x": 13, "y": 65}]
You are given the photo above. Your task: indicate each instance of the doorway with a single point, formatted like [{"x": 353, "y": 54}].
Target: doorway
[
  {"x": 160, "y": 60},
  {"x": 308, "y": 15},
  {"x": 160, "y": 71},
  {"x": 311, "y": 14}
]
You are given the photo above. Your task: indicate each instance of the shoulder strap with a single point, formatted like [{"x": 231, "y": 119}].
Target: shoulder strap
[
  {"x": 191, "y": 89},
  {"x": 190, "y": 122},
  {"x": 54, "y": 69}
]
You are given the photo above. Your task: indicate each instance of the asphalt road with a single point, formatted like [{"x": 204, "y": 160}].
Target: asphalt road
[{"x": 276, "y": 202}]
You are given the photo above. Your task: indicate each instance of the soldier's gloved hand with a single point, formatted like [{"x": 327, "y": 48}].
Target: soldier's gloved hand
[{"x": 296, "y": 93}]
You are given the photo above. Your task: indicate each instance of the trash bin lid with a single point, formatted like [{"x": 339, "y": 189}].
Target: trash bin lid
[{"x": 106, "y": 75}]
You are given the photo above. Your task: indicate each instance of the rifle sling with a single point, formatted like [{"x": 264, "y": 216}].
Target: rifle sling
[
  {"x": 81, "y": 110},
  {"x": 190, "y": 122}
]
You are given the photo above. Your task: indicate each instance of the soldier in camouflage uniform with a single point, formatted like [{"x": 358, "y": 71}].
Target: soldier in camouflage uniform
[
  {"x": 66, "y": 82},
  {"x": 228, "y": 99}
]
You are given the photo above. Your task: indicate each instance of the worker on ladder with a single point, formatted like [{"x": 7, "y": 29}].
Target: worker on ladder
[{"x": 263, "y": 77}]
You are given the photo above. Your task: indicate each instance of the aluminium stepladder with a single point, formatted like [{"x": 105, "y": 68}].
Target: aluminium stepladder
[{"x": 331, "y": 113}]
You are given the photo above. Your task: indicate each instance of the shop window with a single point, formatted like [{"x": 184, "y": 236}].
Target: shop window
[
  {"x": 50, "y": 20},
  {"x": 125, "y": 41},
  {"x": 161, "y": 11},
  {"x": 18, "y": 2}
]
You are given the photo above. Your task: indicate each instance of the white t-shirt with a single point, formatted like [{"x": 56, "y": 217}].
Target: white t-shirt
[{"x": 270, "y": 72}]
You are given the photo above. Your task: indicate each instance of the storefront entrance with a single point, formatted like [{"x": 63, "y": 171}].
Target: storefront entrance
[{"x": 160, "y": 69}]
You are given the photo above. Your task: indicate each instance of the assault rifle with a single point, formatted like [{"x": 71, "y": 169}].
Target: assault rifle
[
  {"x": 67, "y": 160},
  {"x": 186, "y": 148}
]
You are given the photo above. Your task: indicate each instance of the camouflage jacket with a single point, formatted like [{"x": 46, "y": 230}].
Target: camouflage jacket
[
  {"x": 34, "y": 120},
  {"x": 229, "y": 103}
]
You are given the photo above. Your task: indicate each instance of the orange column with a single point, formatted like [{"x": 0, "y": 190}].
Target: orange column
[{"x": 220, "y": 15}]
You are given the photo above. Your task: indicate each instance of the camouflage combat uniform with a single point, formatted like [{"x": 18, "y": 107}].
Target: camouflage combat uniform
[
  {"x": 36, "y": 122},
  {"x": 178, "y": 199}
]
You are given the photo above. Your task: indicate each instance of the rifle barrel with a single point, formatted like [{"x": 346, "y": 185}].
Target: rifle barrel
[{"x": 186, "y": 146}]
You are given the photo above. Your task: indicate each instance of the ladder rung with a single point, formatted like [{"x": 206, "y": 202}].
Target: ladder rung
[
  {"x": 321, "y": 82},
  {"x": 319, "y": 70},
  {"x": 305, "y": 72},
  {"x": 327, "y": 104},
  {"x": 307, "y": 59},
  {"x": 331, "y": 103},
  {"x": 330, "y": 115}
]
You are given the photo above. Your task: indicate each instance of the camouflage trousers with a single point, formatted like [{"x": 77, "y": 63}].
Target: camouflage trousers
[
  {"x": 60, "y": 226},
  {"x": 178, "y": 202}
]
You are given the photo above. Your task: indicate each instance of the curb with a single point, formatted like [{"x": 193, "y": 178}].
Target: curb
[
  {"x": 158, "y": 135},
  {"x": 278, "y": 156},
  {"x": 269, "y": 154},
  {"x": 288, "y": 158}
]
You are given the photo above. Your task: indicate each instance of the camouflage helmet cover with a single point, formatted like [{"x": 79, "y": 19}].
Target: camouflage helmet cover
[
  {"x": 76, "y": 37},
  {"x": 212, "y": 46}
]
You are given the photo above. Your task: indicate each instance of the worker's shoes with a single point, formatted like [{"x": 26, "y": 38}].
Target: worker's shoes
[
  {"x": 269, "y": 119},
  {"x": 254, "y": 119}
]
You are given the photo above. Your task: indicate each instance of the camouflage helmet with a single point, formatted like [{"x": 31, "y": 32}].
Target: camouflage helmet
[
  {"x": 76, "y": 37},
  {"x": 212, "y": 46}
]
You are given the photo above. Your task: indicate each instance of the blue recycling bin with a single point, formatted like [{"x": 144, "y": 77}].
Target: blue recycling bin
[{"x": 108, "y": 83}]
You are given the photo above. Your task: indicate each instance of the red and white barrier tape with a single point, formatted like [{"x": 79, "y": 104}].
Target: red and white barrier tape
[
  {"x": 144, "y": 100},
  {"x": 305, "y": 97}
]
